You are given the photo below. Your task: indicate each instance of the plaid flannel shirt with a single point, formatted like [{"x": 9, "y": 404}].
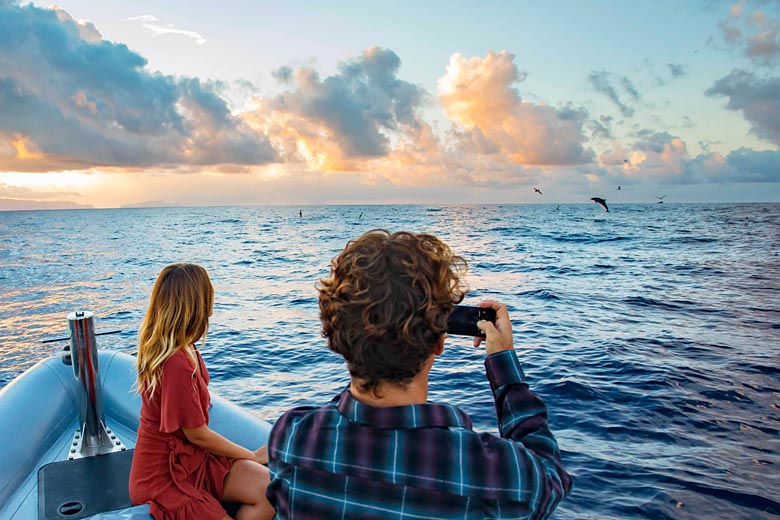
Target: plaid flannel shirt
[{"x": 350, "y": 460}]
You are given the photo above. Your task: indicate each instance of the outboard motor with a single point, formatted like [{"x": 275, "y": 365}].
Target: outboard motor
[{"x": 92, "y": 438}]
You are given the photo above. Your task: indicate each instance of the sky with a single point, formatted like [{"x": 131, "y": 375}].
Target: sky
[{"x": 149, "y": 103}]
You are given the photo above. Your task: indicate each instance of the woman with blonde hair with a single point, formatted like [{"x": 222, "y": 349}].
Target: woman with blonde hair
[{"x": 181, "y": 467}]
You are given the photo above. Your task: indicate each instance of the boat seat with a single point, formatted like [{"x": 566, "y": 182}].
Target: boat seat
[
  {"x": 80, "y": 488},
  {"x": 92, "y": 487}
]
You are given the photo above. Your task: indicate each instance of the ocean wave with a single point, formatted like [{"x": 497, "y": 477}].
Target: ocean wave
[
  {"x": 541, "y": 294},
  {"x": 582, "y": 238}
]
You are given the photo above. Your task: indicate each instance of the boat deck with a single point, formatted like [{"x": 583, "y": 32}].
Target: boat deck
[{"x": 38, "y": 418}]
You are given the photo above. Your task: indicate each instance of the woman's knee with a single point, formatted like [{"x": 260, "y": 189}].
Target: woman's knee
[{"x": 246, "y": 482}]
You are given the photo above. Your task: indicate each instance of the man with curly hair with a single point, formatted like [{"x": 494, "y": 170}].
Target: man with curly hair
[{"x": 380, "y": 450}]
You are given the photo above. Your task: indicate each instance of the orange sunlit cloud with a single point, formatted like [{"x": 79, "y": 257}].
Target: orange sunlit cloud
[
  {"x": 20, "y": 144},
  {"x": 298, "y": 139},
  {"x": 479, "y": 94}
]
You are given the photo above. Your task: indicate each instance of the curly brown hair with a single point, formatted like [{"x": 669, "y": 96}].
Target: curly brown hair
[{"x": 385, "y": 305}]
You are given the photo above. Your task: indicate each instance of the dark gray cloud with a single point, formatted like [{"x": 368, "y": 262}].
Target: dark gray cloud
[
  {"x": 744, "y": 165},
  {"x": 358, "y": 104},
  {"x": 81, "y": 101},
  {"x": 283, "y": 74},
  {"x": 602, "y": 83},
  {"x": 757, "y": 98},
  {"x": 652, "y": 141},
  {"x": 601, "y": 128},
  {"x": 215, "y": 136},
  {"x": 665, "y": 157},
  {"x": 629, "y": 87},
  {"x": 677, "y": 70},
  {"x": 755, "y": 166}
]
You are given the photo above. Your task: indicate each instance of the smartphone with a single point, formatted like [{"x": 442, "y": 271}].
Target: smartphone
[{"x": 464, "y": 318}]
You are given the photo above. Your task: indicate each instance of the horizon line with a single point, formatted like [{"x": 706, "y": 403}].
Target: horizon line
[{"x": 429, "y": 204}]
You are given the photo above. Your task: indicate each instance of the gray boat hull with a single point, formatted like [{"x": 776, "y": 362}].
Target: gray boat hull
[{"x": 39, "y": 416}]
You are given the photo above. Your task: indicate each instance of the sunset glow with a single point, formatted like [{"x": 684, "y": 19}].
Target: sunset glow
[{"x": 158, "y": 102}]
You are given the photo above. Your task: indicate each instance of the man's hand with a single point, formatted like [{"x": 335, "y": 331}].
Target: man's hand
[{"x": 499, "y": 336}]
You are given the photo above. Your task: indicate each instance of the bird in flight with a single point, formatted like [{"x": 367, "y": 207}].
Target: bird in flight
[
  {"x": 661, "y": 199},
  {"x": 537, "y": 191},
  {"x": 599, "y": 200}
]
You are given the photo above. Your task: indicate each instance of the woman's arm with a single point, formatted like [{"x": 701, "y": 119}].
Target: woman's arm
[{"x": 207, "y": 438}]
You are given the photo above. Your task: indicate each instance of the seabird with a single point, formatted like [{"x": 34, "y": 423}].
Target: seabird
[
  {"x": 661, "y": 199},
  {"x": 618, "y": 187},
  {"x": 599, "y": 200},
  {"x": 537, "y": 191}
]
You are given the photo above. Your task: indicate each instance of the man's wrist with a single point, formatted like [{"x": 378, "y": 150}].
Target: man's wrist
[
  {"x": 503, "y": 368},
  {"x": 497, "y": 350}
]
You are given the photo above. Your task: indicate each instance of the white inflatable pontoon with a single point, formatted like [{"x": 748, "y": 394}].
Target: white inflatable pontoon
[{"x": 67, "y": 431}]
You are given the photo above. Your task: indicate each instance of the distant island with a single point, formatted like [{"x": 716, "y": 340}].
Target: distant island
[
  {"x": 21, "y": 204},
  {"x": 149, "y": 204}
]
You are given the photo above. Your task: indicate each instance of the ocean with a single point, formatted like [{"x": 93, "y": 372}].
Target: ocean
[{"x": 652, "y": 332}]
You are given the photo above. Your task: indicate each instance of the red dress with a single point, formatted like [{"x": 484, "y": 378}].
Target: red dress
[{"x": 181, "y": 481}]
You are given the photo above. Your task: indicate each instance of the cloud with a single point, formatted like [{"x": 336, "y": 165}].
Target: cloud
[
  {"x": 364, "y": 121},
  {"x": 753, "y": 32},
  {"x": 676, "y": 70},
  {"x": 149, "y": 22},
  {"x": 754, "y": 166},
  {"x": 283, "y": 74},
  {"x": 19, "y": 192},
  {"x": 71, "y": 100},
  {"x": 602, "y": 83},
  {"x": 757, "y": 98},
  {"x": 87, "y": 30},
  {"x": 661, "y": 155},
  {"x": 477, "y": 94},
  {"x": 362, "y": 112},
  {"x": 143, "y": 18},
  {"x": 663, "y": 158},
  {"x": 601, "y": 128},
  {"x": 739, "y": 166},
  {"x": 629, "y": 87},
  {"x": 656, "y": 157}
]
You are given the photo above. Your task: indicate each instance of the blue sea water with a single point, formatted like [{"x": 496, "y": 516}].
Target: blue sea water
[{"x": 652, "y": 332}]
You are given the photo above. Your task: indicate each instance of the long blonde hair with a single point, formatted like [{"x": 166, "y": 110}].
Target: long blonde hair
[{"x": 178, "y": 316}]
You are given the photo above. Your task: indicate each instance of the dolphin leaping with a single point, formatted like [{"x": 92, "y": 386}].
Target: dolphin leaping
[{"x": 599, "y": 200}]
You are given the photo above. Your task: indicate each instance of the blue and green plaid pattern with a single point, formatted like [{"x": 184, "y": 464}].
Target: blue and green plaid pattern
[{"x": 350, "y": 460}]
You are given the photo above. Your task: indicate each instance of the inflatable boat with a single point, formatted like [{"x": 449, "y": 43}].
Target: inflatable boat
[{"x": 68, "y": 427}]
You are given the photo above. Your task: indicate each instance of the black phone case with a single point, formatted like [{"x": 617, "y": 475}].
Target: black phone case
[{"x": 463, "y": 320}]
